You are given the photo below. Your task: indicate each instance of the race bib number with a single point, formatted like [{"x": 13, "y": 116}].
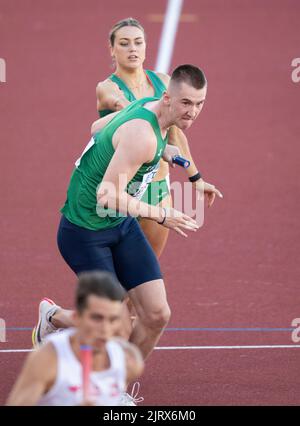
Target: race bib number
[
  {"x": 138, "y": 189},
  {"x": 89, "y": 145}
]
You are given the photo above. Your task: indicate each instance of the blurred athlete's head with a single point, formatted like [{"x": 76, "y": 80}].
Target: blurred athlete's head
[
  {"x": 128, "y": 44},
  {"x": 185, "y": 95},
  {"x": 98, "y": 303}
]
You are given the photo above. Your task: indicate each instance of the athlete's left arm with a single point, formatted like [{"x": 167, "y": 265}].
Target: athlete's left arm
[
  {"x": 101, "y": 122},
  {"x": 178, "y": 138}
]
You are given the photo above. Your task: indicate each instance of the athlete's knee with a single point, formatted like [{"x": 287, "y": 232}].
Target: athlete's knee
[{"x": 157, "y": 318}]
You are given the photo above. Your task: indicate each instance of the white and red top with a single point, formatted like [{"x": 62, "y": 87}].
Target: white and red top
[{"x": 107, "y": 386}]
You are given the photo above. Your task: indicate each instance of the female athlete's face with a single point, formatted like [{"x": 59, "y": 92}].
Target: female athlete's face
[
  {"x": 129, "y": 49},
  {"x": 99, "y": 321}
]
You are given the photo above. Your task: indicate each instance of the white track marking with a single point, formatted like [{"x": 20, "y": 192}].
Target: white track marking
[
  {"x": 178, "y": 348},
  {"x": 8, "y": 351},
  {"x": 173, "y": 348},
  {"x": 168, "y": 35}
]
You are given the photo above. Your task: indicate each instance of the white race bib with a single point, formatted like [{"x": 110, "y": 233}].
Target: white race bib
[{"x": 147, "y": 179}]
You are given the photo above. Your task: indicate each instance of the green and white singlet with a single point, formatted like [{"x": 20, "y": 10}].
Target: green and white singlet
[{"x": 81, "y": 206}]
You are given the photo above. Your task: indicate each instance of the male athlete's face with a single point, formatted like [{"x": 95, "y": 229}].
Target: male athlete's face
[
  {"x": 99, "y": 321},
  {"x": 129, "y": 48},
  {"x": 184, "y": 103}
]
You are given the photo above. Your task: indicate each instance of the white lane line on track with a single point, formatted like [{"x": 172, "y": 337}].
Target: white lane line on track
[
  {"x": 4, "y": 351},
  {"x": 168, "y": 35},
  {"x": 228, "y": 347},
  {"x": 178, "y": 348}
]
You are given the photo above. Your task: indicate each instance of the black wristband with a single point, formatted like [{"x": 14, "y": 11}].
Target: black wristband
[
  {"x": 196, "y": 177},
  {"x": 163, "y": 221}
]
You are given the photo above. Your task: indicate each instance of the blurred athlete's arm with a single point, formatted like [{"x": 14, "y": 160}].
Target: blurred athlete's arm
[{"x": 37, "y": 376}]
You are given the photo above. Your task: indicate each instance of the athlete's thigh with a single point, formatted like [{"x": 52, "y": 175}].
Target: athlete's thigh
[
  {"x": 149, "y": 298},
  {"x": 85, "y": 250},
  {"x": 134, "y": 260}
]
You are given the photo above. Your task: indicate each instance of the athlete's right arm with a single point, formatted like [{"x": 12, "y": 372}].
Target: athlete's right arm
[
  {"x": 109, "y": 96},
  {"x": 36, "y": 377},
  {"x": 129, "y": 156}
]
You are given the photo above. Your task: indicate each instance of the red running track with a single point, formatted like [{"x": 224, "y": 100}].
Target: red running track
[{"x": 242, "y": 268}]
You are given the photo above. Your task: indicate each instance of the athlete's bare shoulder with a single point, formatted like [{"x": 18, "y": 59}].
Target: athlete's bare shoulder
[
  {"x": 165, "y": 78},
  {"x": 128, "y": 134},
  {"x": 104, "y": 91},
  {"x": 106, "y": 86},
  {"x": 138, "y": 129},
  {"x": 110, "y": 96},
  {"x": 43, "y": 363}
]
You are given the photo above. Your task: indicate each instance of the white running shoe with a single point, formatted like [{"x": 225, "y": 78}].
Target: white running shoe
[
  {"x": 47, "y": 308},
  {"x": 132, "y": 399}
]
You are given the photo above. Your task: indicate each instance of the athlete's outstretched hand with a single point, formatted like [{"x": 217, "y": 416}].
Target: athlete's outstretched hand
[
  {"x": 169, "y": 152},
  {"x": 177, "y": 221},
  {"x": 209, "y": 190}
]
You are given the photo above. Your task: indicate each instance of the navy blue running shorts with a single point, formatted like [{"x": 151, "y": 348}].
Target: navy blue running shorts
[{"x": 122, "y": 250}]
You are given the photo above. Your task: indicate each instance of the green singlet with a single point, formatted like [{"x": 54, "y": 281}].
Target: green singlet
[
  {"x": 158, "y": 86},
  {"x": 81, "y": 206}
]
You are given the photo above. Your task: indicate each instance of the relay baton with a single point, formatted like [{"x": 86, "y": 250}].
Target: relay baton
[
  {"x": 180, "y": 161},
  {"x": 86, "y": 363}
]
